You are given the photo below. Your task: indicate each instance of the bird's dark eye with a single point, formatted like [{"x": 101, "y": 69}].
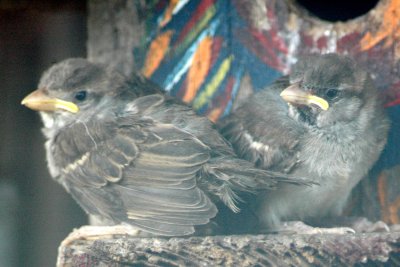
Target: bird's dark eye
[
  {"x": 81, "y": 95},
  {"x": 331, "y": 93}
]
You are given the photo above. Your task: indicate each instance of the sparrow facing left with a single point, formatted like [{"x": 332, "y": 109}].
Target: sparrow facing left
[
  {"x": 324, "y": 122},
  {"x": 130, "y": 154}
]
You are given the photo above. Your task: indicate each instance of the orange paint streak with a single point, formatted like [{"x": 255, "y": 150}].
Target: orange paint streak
[
  {"x": 168, "y": 12},
  {"x": 393, "y": 211},
  {"x": 389, "y": 28},
  {"x": 390, "y": 211},
  {"x": 199, "y": 69},
  {"x": 382, "y": 197},
  {"x": 156, "y": 53},
  {"x": 214, "y": 114}
]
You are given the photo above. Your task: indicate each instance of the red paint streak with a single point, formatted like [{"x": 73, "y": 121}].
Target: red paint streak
[
  {"x": 392, "y": 103},
  {"x": 307, "y": 40},
  {"x": 228, "y": 91},
  {"x": 322, "y": 42},
  {"x": 271, "y": 13},
  {"x": 161, "y": 5},
  {"x": 349, "y": 42},
  {"x": 215, "y": 49},
  {"x": 277, "y": 41},
  {"x": 196, "y": 16},
  {"x": 392, "y": 95},
  {"x": 264, "y": 48},
  {"x": 182, "y": 89},
  {"x": 267, "y": 45}
]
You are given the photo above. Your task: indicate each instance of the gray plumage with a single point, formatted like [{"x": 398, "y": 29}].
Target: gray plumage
[
  {"x": 334, "y": 148},
  {"x": 132, "y": 155}
]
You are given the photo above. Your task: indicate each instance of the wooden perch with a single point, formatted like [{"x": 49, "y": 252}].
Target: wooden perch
[{"x": 372, "y": 249}]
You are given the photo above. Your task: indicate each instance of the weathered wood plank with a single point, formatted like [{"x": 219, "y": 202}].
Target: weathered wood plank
[{"x": 374, "y": 249}]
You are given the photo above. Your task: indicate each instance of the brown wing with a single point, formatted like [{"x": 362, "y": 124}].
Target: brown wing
[
  {"x": 144, "y": 173},
  {"x": 260, "y": 131}
]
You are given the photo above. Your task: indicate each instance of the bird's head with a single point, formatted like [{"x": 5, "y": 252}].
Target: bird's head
[
  {"x": 328, "y": 89},
  {"x": 72, "y": 90}
]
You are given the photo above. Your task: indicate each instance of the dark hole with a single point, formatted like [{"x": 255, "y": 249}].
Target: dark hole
[{"x": 338, "y": 10}]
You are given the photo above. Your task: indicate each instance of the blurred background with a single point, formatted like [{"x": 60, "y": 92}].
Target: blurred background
[{"x": 35, "y": 212}]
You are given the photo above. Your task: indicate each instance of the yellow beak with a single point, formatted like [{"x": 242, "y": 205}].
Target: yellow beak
[
  {"x": 295, "y": 95},
  {"x": 38, "y": 100}
]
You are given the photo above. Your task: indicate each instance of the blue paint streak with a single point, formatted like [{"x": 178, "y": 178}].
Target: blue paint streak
[
  {"x": 184, "y": 64},
  {"x": 238, "y": 78}
]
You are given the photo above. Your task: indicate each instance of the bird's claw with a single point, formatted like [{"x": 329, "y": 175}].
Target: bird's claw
[
  {"x": 298, "y": 227},
  {"x": 363, "y": 225}
]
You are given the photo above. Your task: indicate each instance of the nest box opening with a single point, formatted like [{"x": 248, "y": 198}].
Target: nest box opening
[{"x": 337, "y": 10}]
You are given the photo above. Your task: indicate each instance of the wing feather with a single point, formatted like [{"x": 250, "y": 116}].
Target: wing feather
[
  {"x": 246, "y": 130},
  {"x": 145, "y": 173}
]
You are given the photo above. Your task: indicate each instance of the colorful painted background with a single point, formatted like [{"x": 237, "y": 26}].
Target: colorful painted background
[
  {"x": 198, "y": 51},
  {"x": 202, "y": 50}
]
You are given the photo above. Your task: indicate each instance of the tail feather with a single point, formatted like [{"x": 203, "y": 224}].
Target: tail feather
[{"x": 229, "y": 177}]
